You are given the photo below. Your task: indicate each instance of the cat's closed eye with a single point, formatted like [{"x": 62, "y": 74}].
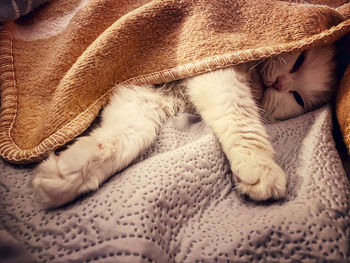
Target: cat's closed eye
[
  {"x": 298, "y": 63},
  {"x": 298, "y": 98}
]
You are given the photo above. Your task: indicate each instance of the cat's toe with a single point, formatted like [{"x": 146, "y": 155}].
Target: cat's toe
[
  {"x": 270, "y": 185},
  {"x": 53, "y": 188},
  {"x": 247, "y": 173}
]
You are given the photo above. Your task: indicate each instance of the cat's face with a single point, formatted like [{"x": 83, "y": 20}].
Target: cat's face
[{"x": 297, "y": 82}]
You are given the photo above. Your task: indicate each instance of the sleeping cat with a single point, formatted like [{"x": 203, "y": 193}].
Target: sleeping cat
[{"x": 232, "y": 101}]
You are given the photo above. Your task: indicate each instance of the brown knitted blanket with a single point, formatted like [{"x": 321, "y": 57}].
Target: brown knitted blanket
[{"x": 59, "y": 63}]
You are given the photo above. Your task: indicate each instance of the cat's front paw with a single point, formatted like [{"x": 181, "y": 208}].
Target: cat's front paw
[
  {"x": 261, "y": 179},
  {"x": 60, "y": 179},
  {"x": 52, "y": 187}
]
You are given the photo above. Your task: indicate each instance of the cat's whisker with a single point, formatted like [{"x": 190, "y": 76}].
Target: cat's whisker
[
  {"x": 266, "y": 65},
  {"x": 285, "y": 62},
  {"x": 257, "y": 64}
]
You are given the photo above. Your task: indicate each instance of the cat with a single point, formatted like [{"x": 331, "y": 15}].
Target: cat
[{"x": 233, "y": 101}]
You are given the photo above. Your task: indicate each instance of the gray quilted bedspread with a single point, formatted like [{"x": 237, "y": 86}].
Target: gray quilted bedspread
[{"x": 177, "y": 203}]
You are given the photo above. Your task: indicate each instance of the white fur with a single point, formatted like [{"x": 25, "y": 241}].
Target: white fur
[
  {"x": 312, "y": 81},
  {"x": 130, "y": 123},
  {"x": 224, "y": 99}
]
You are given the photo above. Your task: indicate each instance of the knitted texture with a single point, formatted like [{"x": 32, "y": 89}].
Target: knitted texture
[{"x": 59, "y": 63}]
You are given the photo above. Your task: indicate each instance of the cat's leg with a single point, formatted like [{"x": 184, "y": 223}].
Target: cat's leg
[
  {"x": 129, "y": 125},
  {"x": 224, "y": 100}
]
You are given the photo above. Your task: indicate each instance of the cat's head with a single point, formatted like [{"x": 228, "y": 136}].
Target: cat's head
[{"x": 297, "y": 82}]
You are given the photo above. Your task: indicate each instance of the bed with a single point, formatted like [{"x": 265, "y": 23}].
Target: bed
[{"x": 177, "y": 202}]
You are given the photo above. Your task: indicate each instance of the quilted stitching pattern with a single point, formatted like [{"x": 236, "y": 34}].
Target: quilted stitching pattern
[{"x": 177, "y": 203}]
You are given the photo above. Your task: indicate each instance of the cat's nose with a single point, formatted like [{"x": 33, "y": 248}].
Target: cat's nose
[{"x": 279, "y": 84}]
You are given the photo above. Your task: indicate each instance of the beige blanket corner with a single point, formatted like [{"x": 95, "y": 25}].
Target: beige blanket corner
[{"x": 59, "y": 64}]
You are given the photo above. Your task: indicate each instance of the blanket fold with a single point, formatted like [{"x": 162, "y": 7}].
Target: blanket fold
[{"x": 60, "y": 63}]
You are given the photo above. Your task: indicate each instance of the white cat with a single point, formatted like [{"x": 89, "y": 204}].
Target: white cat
[{"x": 231, "y": 101}]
